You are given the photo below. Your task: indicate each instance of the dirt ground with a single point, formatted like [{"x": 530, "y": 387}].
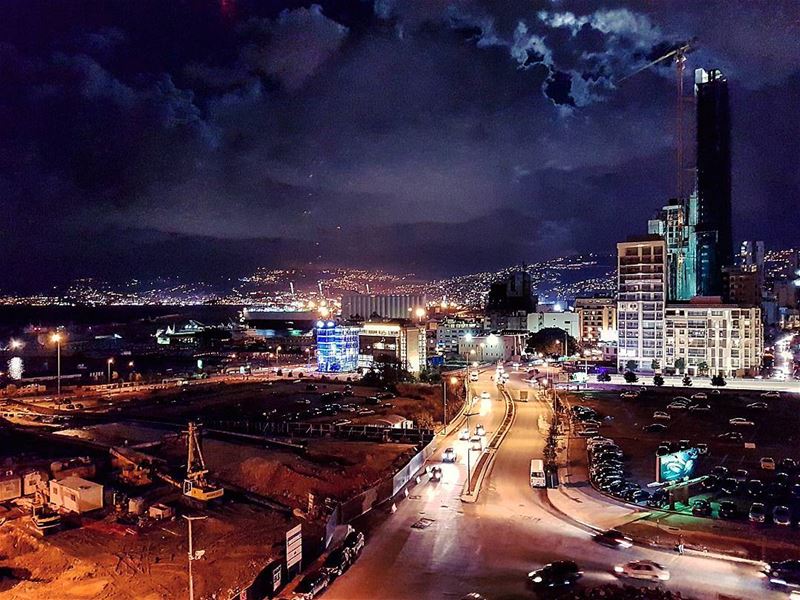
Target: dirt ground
[{"x": 101, "y": 561}]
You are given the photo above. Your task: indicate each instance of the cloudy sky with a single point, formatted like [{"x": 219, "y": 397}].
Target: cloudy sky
[{"x": 202, "y": 138}]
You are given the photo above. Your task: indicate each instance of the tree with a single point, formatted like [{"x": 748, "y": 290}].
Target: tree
[
  {"x": 718, "y": 380},
  {"x": 655, "y": 365},
  {"x": 680, "y": 365},
  {"x": 631, "y": 365},
  {"x": 703, "y": 367},
  {"x": 550, "y": 340},
  {"x": 658, "y": 380},
  {"x": 631, "y": 377},
  {"x": 687, "y": 381},
  {"x": 603, "y": 376}
]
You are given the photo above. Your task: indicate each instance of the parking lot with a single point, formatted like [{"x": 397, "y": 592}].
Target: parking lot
[{"x": 768, "y": 428}]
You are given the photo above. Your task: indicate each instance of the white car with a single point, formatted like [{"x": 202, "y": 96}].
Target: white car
[
  {"x": 480, "y": 430},
  {"x": 767, "y": 463},
  {"x": 660, "y": 414},
  {"x": 642, "y": 569},
  {"x": 771, "y": 395},
  {"x": 629, "y": 395},
  {"x": 700, "y": 396},
  {"x": 677, "y": 406},
  {"x": 741, "y": 422},
  {"x": 473, "y": 376},
  {"x": 463, "y": 435},
  {"x": 449, "y": 455},
  {"x": 476, "y": 443},
  {"x": 485, "y": 396}
]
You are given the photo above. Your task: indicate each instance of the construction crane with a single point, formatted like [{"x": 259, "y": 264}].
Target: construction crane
[{"x": 679, "y": 55}]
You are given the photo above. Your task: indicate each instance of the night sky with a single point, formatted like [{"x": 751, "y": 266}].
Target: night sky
[{"x": 204, "y": 138}]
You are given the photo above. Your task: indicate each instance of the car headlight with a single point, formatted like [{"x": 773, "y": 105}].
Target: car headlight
[
  {"x": 625, "y": 544},
  {"x": 618, "y": 569},
  {"x": 537, "y": 579},
  {"x": 663, "y": 576},
  {"x": 778, "y": 581}
]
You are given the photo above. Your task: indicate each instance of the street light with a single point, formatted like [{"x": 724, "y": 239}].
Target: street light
[
  {"x": 193, "y": 556},
  {"x": 15, "y": 344},
  {"x": 56, "y": 339},
  {"x": 110, "y": 362}
]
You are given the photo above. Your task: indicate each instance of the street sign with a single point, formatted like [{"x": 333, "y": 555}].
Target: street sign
[{"x": 294, "y": 546}]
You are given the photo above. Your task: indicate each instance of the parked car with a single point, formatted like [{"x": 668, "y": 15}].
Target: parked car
[
  {"x": 655, "y": 428},
  {"x": 355, "y": 543},
  {"x": 702, "y": 448},
  {"x": 700, "y": 408},
  {"x": 677, "y": 405},
  {"x": 338, "y": 561},
  {"x": 741, "y": 474},
  {"x": 312, "y": 585},
  {"x": 700, "y": 396},
  {"x": 728, "y": 486},
  {"x": 629, "y": 395},
  {"x": 559, "y": 574},
  {"x": 613, "y": 539},
  {"x": 755, "y": 488},
  {"x": 741, "y": 422},
  {"x": 701, "y": 508},
  {"x": 660, "y": 414},
  {"x": 758, "y": 513},
  {"x": 588, "y": 432},
  {"x": 449, "y": 455},
  {"x": 642, "y": 569},
  {"x": 787, "y": 464},
  {"x": 758, "y": 406},
  {"x": 781, "y": 515},
  {"x": 728, "y": 510},
  {"x": 658, "y": 499},
  {"x": 662, "y": 450},
  {"x": 710, "y": 483},
  {"x": 731, "y": 436},
  {"x": 771, "y": 394},
  {"x": 767, "y": 463}
]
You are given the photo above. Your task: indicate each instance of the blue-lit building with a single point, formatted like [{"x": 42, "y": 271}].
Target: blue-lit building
[{"x": 337, "y": 347}]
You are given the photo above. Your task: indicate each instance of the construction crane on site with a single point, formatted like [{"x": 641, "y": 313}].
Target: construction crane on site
[
  {"x": 195, "y": 485},
  {"x": 679, "y": 56}
]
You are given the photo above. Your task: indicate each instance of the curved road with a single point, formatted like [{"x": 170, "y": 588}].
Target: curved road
[{"x": 490, "y": 546}]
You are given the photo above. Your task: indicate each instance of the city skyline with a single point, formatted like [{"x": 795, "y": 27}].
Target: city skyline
[{"x": 370, "y": 135}]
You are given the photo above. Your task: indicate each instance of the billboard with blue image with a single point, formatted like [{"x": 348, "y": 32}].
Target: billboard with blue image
[{"x": 676, "y": 465}]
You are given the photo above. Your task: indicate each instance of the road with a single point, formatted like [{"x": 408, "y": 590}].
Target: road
[{"x": 489, "y": 546}]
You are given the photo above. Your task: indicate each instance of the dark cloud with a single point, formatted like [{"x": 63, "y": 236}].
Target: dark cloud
[{"x": 438, "y": 136}]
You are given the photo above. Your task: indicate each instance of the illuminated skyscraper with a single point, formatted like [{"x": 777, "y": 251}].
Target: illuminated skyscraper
[{"x": 676, "y": 223}]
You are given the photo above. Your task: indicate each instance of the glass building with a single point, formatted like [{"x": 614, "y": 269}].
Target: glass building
[{"x": 337, "y": 347}]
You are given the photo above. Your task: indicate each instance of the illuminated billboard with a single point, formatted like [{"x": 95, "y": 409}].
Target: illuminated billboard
[{"x": 676, "y": 465}]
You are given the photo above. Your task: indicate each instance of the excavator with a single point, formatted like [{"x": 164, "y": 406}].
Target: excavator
[
  {"x": 45, "y": 520},
  {"x": 195, "y": 484}
]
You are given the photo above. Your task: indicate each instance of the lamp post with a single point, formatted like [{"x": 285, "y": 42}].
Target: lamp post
[
  {"x": 109, "y": 362},
  {"x": 56, "y": 337},
  {"x": 193, "y": 556},
  {"x": 277, "y": 355}
]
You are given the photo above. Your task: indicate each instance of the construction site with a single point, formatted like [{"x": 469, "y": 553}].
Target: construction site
[{"x": 100, "y": 505}]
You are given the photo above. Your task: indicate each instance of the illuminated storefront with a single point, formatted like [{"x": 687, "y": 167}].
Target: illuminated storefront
[{"x": 337, "y": 347}]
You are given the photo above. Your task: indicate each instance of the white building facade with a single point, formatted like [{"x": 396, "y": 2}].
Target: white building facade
[
  {"x": 451, "y": 330},
  {"x": 492, "y": 347},
  {"x": 713, "y": 338},
  {"x": 641, "y": 298},
  {"x": 568, "y": 321}
]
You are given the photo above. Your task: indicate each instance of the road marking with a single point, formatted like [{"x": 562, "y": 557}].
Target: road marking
[{"x": 423, "y": 523}]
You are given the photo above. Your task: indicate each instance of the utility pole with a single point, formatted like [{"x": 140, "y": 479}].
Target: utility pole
[
  {"x": 444, "y": 405},
  {"x": 193, "y": 556}
]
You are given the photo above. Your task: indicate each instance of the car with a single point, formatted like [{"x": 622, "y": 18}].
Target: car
[
  {"x": 755, "y": 488},
  {"x": 341, "y": 422},
  {"x": 662, "y": 450},
  {"x": 658, "y": 499},
  {"x": 463, "y": 435},
  {"x": 480, "y": 430},
  {"x": 702, "y": 448},
  {"x": 608, "y": 451},
  {"x": 787, "y": 464},
  {"x": 728, "y": 486},
  {"x": 741, "y": 474},
  {"x": 758, "y": 513},
  {"x": 613, "y": 539},
  {"x": 476, "y": 443},
  {"x": 655, "y": 428},
  {"x": 781, "y": 515},
  {"x": 591, "y": 423},
  {"x": 677, "y": 405},
  {"x": 485, "y": 396},
  {"x": 716, "y": 392},
  {"x": 758, "y": 406},
  {"x": 741, "y": 422},
  {"x": 338, "y": 561},
  {"x": 311, "y": 585},
  {"x": 700, "y": 396},
  {"x": 355, "y": 543},
  {"x": 629, "y": 395},
  {"x": 795, "y": 491},
  {"x": 640, "y": 496},
  {"x": 311, "y": 387},
  {"x": 767, "y": 463},
  {"x": 598, "y": 441},
  {"x": 365, "y": 412},
  {"x": 449, "y": 455},
  {"x": 562, "y": 573},
  {"x": 642, "y": 569},
  {"x": 771, "y": 394},
  {"x": 684, "y": 444},
  {"x": 728, "y": 510},
  {"x": 699, "y": 408},
  {"x": 785, "y": 572},
  {"x": 731, "y": 436},
  {"x": 683, "y": 399},
  {"x": 701, "y": 508},
  {"x": 436, "y": 473},
  {"x": 660, "y": 414},
  {"x": 588, "y": 432}
]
